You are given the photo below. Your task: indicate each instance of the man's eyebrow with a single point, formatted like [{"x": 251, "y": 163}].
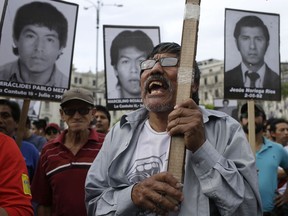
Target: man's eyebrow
[
  {"x": 5, "y": 113},
  {"x": 128, "y": 57},
  {"x": 50, "y": 34},
  {"x": 27, "y": 29}
]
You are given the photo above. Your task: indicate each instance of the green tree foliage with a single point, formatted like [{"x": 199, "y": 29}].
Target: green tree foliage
[
  {"x": 284, "y": 89},
  {"x": 209, "y": 106}
]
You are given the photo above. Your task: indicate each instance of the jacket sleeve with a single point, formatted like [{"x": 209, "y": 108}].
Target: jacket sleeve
[
  {"x": 101, "y": 197},
  {"x": 226, "y": 170}
]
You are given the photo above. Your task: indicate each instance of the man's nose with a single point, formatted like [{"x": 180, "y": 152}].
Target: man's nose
[
  {"x": 39, "y": 44},
  {"x": 157, "y": 68},
  {"x": 135, "y": 67},
  {"x": 252, "y": 43},
  {"x": 77, "y": 115}
]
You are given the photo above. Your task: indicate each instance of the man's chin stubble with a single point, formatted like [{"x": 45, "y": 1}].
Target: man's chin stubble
[{"x": 159, "y": 107}]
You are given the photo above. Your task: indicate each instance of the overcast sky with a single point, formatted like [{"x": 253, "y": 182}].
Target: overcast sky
[{"x": 168, "y": 15}]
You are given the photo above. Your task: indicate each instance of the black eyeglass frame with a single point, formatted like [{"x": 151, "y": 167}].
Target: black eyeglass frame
[
  {"x": 163, "y": 62},
  {"x": 82, "y": 111}
]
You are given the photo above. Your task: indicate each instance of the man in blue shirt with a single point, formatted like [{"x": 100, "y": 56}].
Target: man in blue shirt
[
  {"x": 37, "y": 140},
  {"x": 269, "y": 156}
]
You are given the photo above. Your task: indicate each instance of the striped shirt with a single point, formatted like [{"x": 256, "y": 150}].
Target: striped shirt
[{"x": 60, "y": 176}]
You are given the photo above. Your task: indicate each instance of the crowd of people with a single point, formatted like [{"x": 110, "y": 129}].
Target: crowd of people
[
  {"x": 271, "y": 159},
  {"x": 90, "y": 169},
  {"x": 49, "y": 175}
]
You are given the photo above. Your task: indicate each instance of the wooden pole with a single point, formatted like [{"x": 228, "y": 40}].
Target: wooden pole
[
  {"x": 251, "y": 124},
  {"x": 22, "y": 122},
  {"x": 185, "y": 81}
]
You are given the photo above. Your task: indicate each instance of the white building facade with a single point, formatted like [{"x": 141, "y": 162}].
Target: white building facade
[{"x": 211, "y": 87}]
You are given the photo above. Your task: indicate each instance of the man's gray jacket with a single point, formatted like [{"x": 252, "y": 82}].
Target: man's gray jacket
[{"x": 220, "y": 177}]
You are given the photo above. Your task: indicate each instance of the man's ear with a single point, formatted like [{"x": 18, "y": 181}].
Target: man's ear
[
  {"x": 267, "y": 45},
  {"x": 93, "y": 111},
  {"x": 16, "y": 126},
  {"x": 237, "y": 45},
  {"x": 15, "y": 43},
  {"x": 61, "y": 114},
  {"x": 273, "y": 134},
  {"x": 15, "y": 47},
  {"x": 93, "y": 114},
  {"x": 60, "y": 52},
  {"x": 115, "y": 71},
  {"x": 195, "y": 88}
]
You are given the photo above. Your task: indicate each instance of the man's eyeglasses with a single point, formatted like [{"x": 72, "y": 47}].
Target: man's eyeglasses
[
  {"x": 52, "y": 131},
  {"x": 81, "y": 111},
  {"x": 164, "y": 62}
]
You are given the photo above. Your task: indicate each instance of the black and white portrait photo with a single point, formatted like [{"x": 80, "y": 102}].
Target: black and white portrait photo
[
  {"x": 124, "y": 48},
  {"x": 227, "y": 106},
  {"x": 2, "y": 5},
  {"x": 36, "y": 48},
  {"x": 34, "y": 108},
  {"x": 252, "y": 55}
]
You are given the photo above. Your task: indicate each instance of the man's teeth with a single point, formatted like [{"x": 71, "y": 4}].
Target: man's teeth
[
  {"x": 155, "y": 83},
  {"x": 155, "y": 91}
]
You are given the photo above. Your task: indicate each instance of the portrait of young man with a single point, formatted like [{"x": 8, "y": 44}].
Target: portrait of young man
[
  {"x": 125, "y": 48},
  {"x": 34, "y": 108},
  {"x": 227, "y": 106},
  {"x": 38, "y": 37},
  {"x": 252, "y": 63}
]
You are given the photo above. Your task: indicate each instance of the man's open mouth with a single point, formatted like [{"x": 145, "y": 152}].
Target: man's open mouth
[{"x": 156, "y": 85}]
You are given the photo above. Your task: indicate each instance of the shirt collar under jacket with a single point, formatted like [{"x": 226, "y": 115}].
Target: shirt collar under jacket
[
  {"x": 141, "y": 113},
  {"x": 261, "y": 72}
]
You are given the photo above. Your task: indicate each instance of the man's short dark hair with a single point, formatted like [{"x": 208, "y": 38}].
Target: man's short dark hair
[
  {"x": 174, "y": 48},
  {"x": 225, "y": 101},
  {"x": 14, "y": 107},
  {"x": 258, "y": 111},
  {"x": 40, "y": 124},
  {"x": 42, "y": 14},
  {"x": 104, "y": 110},
  {"x": 251, "y": 21},
  {"x": 275, "y": 122},
  {"x": 127, "y": 38}
]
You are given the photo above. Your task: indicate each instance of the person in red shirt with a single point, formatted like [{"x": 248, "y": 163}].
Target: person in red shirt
[
  {"x": 52, "y": 130},
  {"x": 15, "y": 194}
]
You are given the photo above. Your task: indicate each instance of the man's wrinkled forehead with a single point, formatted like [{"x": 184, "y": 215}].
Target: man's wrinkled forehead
[{"x": 161, "y": 55}]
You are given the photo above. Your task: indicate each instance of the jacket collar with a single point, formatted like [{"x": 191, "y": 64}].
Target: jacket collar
[{"x": 142, "y": 113}]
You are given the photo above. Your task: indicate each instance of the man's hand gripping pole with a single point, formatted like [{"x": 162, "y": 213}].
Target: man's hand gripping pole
[{"x": 176, "y": 162}]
